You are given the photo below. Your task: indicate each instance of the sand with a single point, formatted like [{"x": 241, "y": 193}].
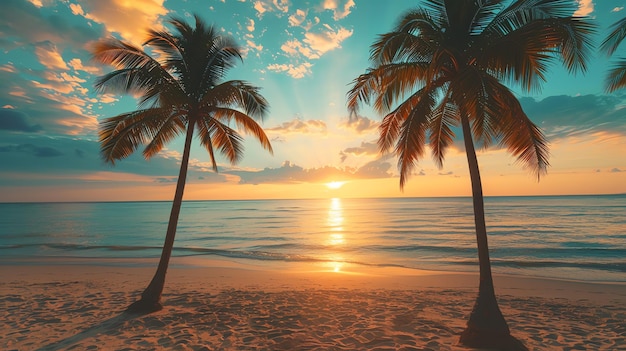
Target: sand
[{"x": 227, "y": 306}]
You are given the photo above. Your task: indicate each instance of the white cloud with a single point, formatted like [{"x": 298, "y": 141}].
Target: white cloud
[{"x": 298, "y": 71}]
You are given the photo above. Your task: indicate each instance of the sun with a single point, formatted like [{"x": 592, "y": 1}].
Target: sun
[{"x": 335, "y": 185}]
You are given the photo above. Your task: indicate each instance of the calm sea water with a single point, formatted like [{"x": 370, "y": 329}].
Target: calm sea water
[{"x": 570, "y": 237}]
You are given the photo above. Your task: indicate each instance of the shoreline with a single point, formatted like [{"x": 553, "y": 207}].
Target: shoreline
[
  {"x": 228, "y": 306},
  {"x": 232, "y": 274}
]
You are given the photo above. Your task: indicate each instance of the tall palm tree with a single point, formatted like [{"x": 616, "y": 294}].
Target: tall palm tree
[
  {"x": 182, "y": 89},
  {"x": 616, "y": 78},
  {"x": 442, "y": 67}
]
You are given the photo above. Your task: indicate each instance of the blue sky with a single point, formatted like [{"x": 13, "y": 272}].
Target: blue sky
[{"x": 303, "y": 54}]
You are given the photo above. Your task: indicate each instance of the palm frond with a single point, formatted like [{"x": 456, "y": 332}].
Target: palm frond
[
  {"x": 445, "y": 116},
  {"x": 522, "y": 137},
  {"x": 616, "y": 78},
  {"x": 238, "y": 94},
  {"x": 525, "y": 54},
  {"x": 170, "y": 129},
  {"x": 391, "y": 124},
  {"x": 386, "y": 84},
  {"x": 213, "y": 133},
  {"x": 477, "y": 93},
  {"x": 218, "y": 62},
  {"x": 411, "y": 142},
  {"x": 164, "y": 42},
  {"x": 121, "y": 135},
  {"x": 615, "y": 38},
  {"x": 245, "y": 124},
  {"x": 138, "y": 73},
  {"x": 576, "y": 45},
  {"x": 414, "y": 39}
]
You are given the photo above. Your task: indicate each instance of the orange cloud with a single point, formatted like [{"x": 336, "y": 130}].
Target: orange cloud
[
  {"x": 128, "y": 18},
  {"x": 298, "y": 126},
  {"x": 50, "y": 57}
]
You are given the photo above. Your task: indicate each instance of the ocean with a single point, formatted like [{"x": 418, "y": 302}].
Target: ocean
[{"x": 564, "y": 237}]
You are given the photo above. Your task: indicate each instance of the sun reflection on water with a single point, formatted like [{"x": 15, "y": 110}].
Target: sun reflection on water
[{"x": 336, "y": 236}]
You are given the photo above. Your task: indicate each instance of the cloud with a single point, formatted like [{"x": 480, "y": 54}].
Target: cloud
[
  {"x": 316, "y": 44},
  {"x": 360, "y": 125},
  {"x": 366, "y": 149},
  {"x": 13, "y": 120},
  {"x": 298, "y": 126},
  {"x": 292, "y": 173},
  {"x": 327, "y": 40},
  {"x": 295, "y": 71},
  {"x": 130, "y": 19},
  {"x": 56, "y": 102},
  {"x": 50, "y": 57},
  {"x": 37, "y": 151},
  {"x": 77, "y": 65},
  {"x": 23, "y": 23},
  {"x": 250, "y": 25},
  {"x": 567, "y": 116},
  {"x": 340, "y": 9},
  {"x": 585, "y": 7},
  {"x": 297, "y": 18},
  {"x": 263, "y": 6},
  {"x": 42, "y": 159}
]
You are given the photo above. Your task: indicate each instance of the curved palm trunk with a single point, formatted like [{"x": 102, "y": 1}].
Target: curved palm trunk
[
  {"x": 486, "y": 326},
  {"x": 151, "y": 297}
]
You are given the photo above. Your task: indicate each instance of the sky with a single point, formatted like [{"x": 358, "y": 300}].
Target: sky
[{"x": 304, "y": 56}]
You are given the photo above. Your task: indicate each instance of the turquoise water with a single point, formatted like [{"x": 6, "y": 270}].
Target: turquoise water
[{"x": 569, "y": 237}]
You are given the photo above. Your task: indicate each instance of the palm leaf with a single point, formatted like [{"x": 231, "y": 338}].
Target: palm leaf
[
  {"x": 213, "y": 133},
  {"x": 121, "y": 135},
  {"x": 522, "y": 137},
  {"x": 445, "y": 115},
  {"x": 170, "y": 129},
  {"x": 412, "y": 136},
  {"x": 237, "y": 93},
  {"x": 244, "y": 123},
  {"x": 615, "y": 38},
  {"x": 616, "y": 78}
]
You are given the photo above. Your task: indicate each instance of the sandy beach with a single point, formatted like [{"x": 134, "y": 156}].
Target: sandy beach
[{"x": 227, "y": 306}]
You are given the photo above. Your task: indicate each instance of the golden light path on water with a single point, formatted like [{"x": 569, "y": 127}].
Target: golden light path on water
[{"x": 336, "y": 236}]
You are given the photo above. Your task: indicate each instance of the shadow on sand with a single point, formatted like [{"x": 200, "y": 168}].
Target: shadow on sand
[{"x": 105, "y": 327}]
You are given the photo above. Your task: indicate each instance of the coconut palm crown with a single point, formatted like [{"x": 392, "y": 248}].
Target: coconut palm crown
[
  {"x": 444, "y": 67},
  {"x": 181, "y": 89}
]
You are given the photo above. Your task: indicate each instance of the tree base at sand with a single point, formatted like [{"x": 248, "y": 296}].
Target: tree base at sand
[
  {"x": 487, "y": 339},
  {"x": 144, "y": 307}
]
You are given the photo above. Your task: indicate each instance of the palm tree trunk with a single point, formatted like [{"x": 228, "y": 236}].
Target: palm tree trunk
[
  {"x": 151, "y": 297},
  {"x": 486, "y": 326}
]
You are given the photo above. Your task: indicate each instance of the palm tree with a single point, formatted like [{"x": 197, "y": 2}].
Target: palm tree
[
  {"x": 442, "y": 67},
  {"x": 616, "y": 78},
  {"x": 181, "y": 90}
]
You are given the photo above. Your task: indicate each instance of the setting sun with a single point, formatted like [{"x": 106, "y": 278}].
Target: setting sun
[{"x": 335, "y": 185}]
